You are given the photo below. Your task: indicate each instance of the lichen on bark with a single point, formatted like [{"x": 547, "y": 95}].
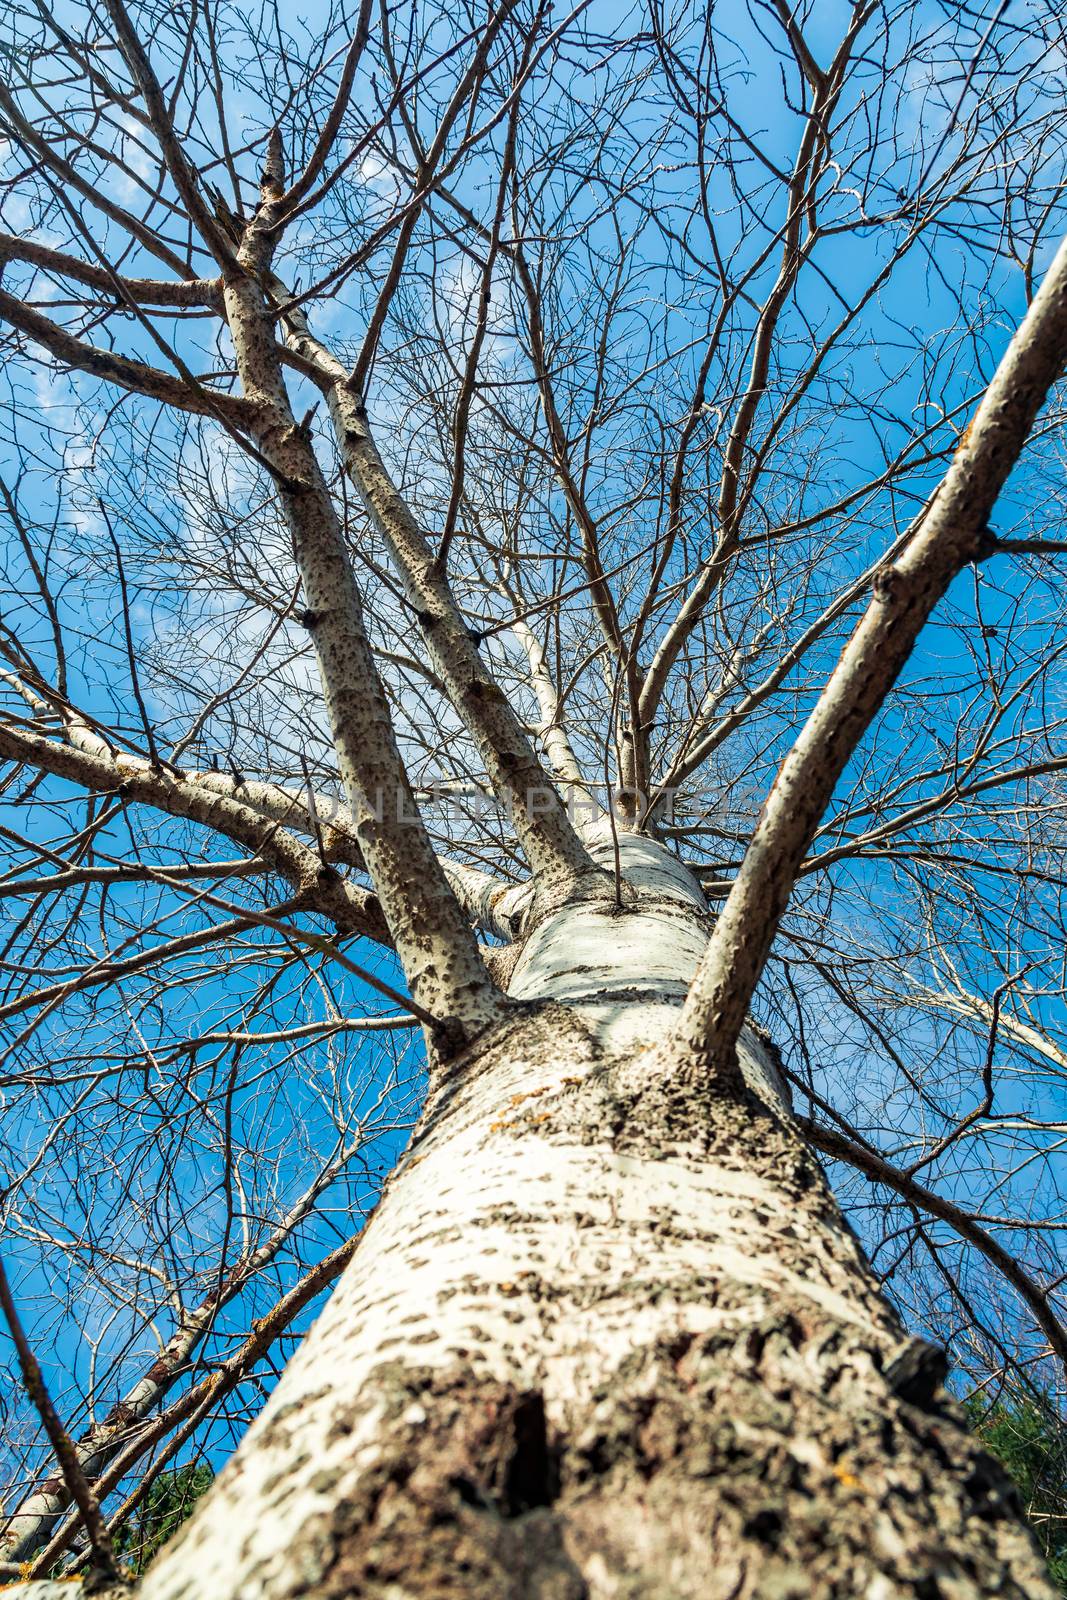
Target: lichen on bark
[{"x": 607, "y": 1337}]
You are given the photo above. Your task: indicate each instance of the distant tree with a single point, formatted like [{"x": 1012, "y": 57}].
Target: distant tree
[
  {"x": 168, "y": 1503},
  {"x": 1030, "y": 1442}
]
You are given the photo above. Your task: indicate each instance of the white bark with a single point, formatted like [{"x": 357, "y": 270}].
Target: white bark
[
  {"x": 605, "y": 1336},
  {"x": 552, "y": 847},
  {"x": 447, "y": 1272},
  {"x": 444, "y": 970},
  {"x": 953, "y": 531}
]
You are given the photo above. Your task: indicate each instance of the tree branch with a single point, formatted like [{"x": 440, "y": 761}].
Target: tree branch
[{"x": 953, "y": 533}]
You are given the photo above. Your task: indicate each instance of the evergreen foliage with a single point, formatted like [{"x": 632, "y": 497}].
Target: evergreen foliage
[
  {"x": 168, "y": 1503},
  {"x": 1030, "y": 1442}
]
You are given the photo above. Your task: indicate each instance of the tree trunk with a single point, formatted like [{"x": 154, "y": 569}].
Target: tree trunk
[{"x": 606, "y": 1335}]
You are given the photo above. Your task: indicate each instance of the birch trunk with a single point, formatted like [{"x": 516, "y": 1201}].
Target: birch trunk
[{"x": 606, "y": 1337}]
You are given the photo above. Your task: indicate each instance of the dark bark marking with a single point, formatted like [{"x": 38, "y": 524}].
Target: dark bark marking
[{"x": 460, "y": 1504}]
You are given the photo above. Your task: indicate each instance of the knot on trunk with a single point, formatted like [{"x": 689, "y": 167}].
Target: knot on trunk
[{"x": 459, "y": 1504}]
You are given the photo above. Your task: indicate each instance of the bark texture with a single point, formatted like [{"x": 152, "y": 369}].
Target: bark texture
[{"x": 607, "y": 1335}]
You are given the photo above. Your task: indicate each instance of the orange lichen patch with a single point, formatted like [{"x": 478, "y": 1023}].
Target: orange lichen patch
[
  {"x": 514, "y": 1286},
  {"x": 964, "y": 438},
  {"x": 530, "y": 1094},
  {"x": 26, "y": 1576}
]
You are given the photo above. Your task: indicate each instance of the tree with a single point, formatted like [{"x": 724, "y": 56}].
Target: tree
[
  {"x": 542, "y": 520},
  {"x": 168, "y": 1504},
  {"x": 1030, "y": 1440}
]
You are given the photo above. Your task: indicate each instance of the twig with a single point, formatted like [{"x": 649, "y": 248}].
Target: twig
[{"x": 103, "y": 1566}]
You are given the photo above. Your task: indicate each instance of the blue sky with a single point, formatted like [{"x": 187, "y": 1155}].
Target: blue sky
[{"x": 282, "y": 1117}]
